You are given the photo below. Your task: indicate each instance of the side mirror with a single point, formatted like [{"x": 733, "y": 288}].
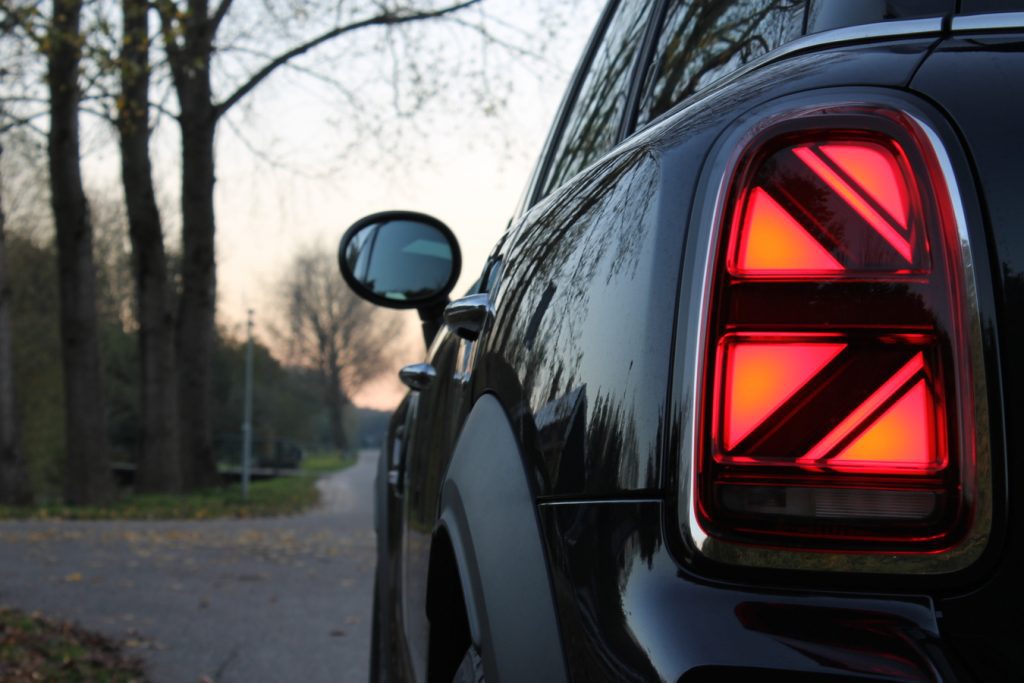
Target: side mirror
[{"x": 401, "y": 259}]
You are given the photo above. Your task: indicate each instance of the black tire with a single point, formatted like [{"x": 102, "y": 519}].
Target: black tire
[
  {"x": 471, "y": 669},
  {"x": 375, "y": 641}
]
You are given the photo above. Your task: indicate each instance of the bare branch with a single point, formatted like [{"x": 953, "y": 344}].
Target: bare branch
[
  {"x": 218, "y": 15},
  {"x": 23, "y": 122},
  {"x": 168, "y": 13},
  {"x": 386, "y": 19},
  {"x": 101, "y": 114},
  {"x": 14, "y": 19}
]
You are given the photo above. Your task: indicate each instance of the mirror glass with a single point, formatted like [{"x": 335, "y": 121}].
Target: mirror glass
[{"x": 403, "y": 261}]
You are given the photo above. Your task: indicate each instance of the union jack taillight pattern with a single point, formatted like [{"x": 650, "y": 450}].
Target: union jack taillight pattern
[{"x": 836, "y": 403}]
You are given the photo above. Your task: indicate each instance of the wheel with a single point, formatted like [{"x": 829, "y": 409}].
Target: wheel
[{"x": 471, "y": 669}]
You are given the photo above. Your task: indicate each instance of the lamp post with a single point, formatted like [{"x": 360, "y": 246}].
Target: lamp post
[{"x": 247, "y": 420}]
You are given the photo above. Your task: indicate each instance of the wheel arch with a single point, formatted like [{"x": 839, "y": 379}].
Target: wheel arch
[{"x": 488, "y": 546}]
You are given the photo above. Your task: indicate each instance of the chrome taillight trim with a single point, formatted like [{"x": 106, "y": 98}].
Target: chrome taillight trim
[{"x": 968, "y": 550}]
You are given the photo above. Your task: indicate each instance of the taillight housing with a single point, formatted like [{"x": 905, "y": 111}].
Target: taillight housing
[{"x": 835, "y": 400}]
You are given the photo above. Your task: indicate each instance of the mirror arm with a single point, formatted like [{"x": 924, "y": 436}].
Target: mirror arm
[{"x": 432, "y": 318}]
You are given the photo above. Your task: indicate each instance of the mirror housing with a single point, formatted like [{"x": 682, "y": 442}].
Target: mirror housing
[{"x": 402, "y": 259}]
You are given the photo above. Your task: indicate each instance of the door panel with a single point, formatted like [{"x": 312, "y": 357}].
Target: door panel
[
  {"x": 432, "y": 431},
  {"x": 426, "y": 444}
]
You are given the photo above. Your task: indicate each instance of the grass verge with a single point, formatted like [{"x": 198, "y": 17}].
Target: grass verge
[
  {"x": 322, "y": 462},
  {"x": 33, "y": 648},
  {"x": 285, "y": 495}
]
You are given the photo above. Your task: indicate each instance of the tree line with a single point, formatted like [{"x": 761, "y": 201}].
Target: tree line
[
  {"x": 295, "y": 402},
  {"x": 67, "y": 59}
]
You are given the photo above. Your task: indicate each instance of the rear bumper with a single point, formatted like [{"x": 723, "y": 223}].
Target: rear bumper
[{"x": 628, "y": 611}]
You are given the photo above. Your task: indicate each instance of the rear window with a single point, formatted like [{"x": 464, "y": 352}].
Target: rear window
[
  {"x": 984, "y": 6},
  {"x": 701, "y": 41},
  {"x": 823, "y": 15},
  {"x": 593, "y": 124}
]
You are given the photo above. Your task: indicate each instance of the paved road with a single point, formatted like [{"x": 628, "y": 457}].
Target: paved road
[{"x": 283, "y": 599}]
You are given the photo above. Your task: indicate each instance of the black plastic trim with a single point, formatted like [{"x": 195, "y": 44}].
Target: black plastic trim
[{"x": 488, "y": 512}]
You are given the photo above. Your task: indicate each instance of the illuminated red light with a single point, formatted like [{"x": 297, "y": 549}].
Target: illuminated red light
[
  {"x": 843, "y": 207},
  {"x": 875, "y": 170},
  {"x": 900, "y": 439},
  {"x": 772, "y": 240},
  {"x": 830, "y": 415},
  {"x": 892, "y": 430},
  {"x": 858, "y": 201},
  {"x": 761, "y": 377},
  {"x": 862, "y": 414}
]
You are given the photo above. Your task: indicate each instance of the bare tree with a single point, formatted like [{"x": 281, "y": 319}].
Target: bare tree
[
  {"x": 14, "y": 483},
  {"x": 191, "y": 37},
  {"x": 88, "y": 477},
  {"x": 347, "y": 340}
]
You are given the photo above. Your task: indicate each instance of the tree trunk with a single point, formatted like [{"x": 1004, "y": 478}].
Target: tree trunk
[
  {"x": 198, "y": 298},
  {"x": 159, "y": 460},
  {"x": 335, "y": 399},
  {"x": 189, "y": 59},
  {"x": 14, "y": 483},
  {"x": 87, "y": 477}
]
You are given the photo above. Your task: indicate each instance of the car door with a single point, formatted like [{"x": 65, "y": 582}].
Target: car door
[
  {"x": 423, "y": 437},
  {"x": 430, "y": 432}
]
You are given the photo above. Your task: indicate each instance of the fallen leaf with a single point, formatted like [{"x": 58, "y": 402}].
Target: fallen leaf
[{"x": 73, "y": 577}]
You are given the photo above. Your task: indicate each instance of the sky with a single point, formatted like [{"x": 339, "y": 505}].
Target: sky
[
  {"x": 299, "y": 163},
  {"x": 452, "y": 161}
]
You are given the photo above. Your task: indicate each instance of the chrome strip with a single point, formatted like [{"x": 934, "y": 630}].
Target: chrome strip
[
  {"x": 973, "y": 545},
  {"x": 997, "y": 21},
  {"x": 599, "y": 501},
  {"x": 902, "y": 28}
]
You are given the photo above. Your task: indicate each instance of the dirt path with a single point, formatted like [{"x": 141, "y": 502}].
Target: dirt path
[{"x": 284, "y": 599}]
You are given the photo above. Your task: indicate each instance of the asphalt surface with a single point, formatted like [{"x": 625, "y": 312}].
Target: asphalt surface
[{"x": 280, "y": 599}]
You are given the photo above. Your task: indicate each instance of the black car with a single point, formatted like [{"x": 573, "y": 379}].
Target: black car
[{"x": 738, "y": 394}]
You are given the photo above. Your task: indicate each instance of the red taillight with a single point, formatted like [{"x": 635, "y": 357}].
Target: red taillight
[
  {"x": 846, "y": 206},
  {"x": 836, "y": 385}
]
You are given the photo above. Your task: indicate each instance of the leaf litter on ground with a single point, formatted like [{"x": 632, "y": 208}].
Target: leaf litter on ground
[{"x": 35, "y": 648}]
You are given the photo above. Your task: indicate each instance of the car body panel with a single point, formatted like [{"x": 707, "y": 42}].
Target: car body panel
[
  {"x": 596, "y": 343},
  {"x": 976, "y": 80},
  {"x": 635, "y": 616}
]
